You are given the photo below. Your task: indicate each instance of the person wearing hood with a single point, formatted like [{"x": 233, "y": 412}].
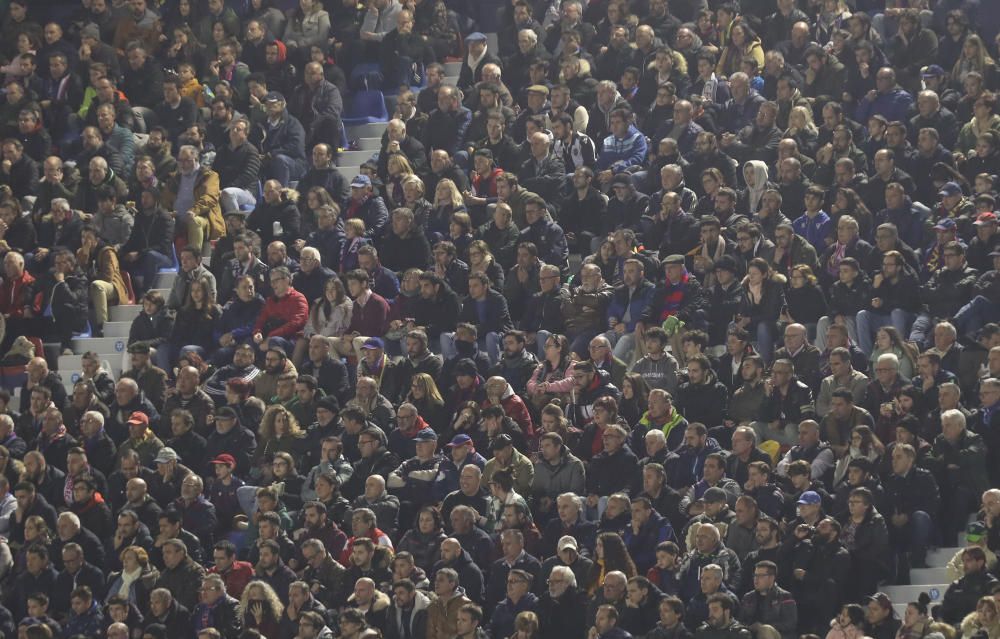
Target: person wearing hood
[
  {"x": 751, "y": 199},
  {"x": 406, "y": 617}
]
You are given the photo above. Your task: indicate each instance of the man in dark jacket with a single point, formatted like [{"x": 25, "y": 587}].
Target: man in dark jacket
[
  {"x": 218, "y": 609},
  {"x": 318, "y": 105},
  {"x": 324, "y": 173},
  {"x": 911, "y": 496},
  {"x": 769, "y": 605},
  {"x": 447, "y": 124},
  {"x": 181, "y": 575},
  {"x": 485, "y": 308},
  {"x": 282, "y": 141},
  {"x": 560, "y": 605},
  {"x": 963, "y": 594},
  {"x": 470, "y": 576},
  {"x": 544, "y": 234}
]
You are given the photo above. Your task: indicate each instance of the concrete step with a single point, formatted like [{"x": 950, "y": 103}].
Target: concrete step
[
  {"x": 939, "y": 557},
  {"x": 928, "y": 576},
  {"x": 349, "y": 158},
  {"x": 69, "y": 365},
  {"x": 906, "y": 594},
  {"x": 100, "y": 344},
  {"x": 370, "y": 130},
  {"x": 370, "y": 144},
  {"x": 165, "y": 280},
  {"x": 451, "y": 80},
  {"x": 349, "y": 170},
  {"x": 452, "y": 68},
  {"x": 124, "y": 313},
  {"x": 117, "y": 329}
]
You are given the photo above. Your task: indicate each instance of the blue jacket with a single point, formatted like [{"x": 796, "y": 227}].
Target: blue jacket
[
  {"x": 640, "y": 300},
  {"x": 502, "y": 623},
  {"x": 909, "y": 220},
  {"x": 814, "y": 230},
  {"x": 448, "y": 472},
  {"x": 496, "y": 313},
  {"x": 620, "y": 154},
  {"x": 550, "y": 240},
  {"x": 288, "y": 138},
  {"x": 238, "y": 318},
  {"x": 642, "y": 545},
  {"x": 894, "y": 105}
]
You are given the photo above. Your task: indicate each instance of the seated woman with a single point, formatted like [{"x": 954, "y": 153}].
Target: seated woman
[{"x": 194, "y": 327}]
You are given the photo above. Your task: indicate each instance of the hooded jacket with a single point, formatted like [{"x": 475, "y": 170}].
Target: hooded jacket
[{"x": 417, "y": 626}]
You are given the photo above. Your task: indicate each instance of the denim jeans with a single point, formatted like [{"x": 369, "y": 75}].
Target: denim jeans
[
  {"x": 234, "y": 199},
  {"x": 622, "y": 344},
  {"x": 869, "y": 322},
  {"x": 976, "y": 314},
  {"x": 285, "y": 169},
  {"x": 143, "y": 271}
]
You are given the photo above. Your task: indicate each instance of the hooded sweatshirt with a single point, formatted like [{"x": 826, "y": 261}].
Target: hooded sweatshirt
[{"x": 756, "y": 184}]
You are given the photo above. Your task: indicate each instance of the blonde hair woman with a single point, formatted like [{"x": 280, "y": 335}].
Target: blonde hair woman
[
  {"x": 261, "y": 608},
  {"x": 399, "y": 169},
  {"x": 425, "y": 395},
  {"x": 802, "y": 128},
  {"x": 974, "y": 57},
  {"x": 985, "y": 619},
  {"x": 447, "y": 200}
]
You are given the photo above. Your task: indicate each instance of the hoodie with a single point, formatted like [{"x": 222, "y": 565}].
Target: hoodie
[{"x": 756, "y": 184}]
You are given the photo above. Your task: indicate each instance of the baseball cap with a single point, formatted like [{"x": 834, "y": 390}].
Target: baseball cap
[
  {"x": 138, "y": 417},
  {"x": 810, "y": 497},
  {"x": 950, "y": 188},
  {"x": 459, "y": 440},
  {"x": 881, "y": 599},
  {"x": 373, "y": 343},
  {"x": 621, "y": 179},
  {"x": 975, "y": 531},
  {"x": 225, "y": 459},
  {"x": 933, "y": 71},
  {"x": 361, "y": 181},
  {"x": 986, "y": 218},
  {"x": 566, "y": 541},
  {"x": 166, "y": 454},
  {"x": 274, "y": 96},
  {"x": 425, "y": 435},
  {"x": 945, "y": 224},
  {"x": 225, "y": 413},
  {"x": 476, "y": 36},
  {"x": 714, "y": 495}
]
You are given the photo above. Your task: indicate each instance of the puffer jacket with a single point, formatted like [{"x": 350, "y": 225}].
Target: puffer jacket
[{"x": 586, "y": 310}]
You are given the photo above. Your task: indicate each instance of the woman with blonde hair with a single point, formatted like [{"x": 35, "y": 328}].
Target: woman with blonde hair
[
  {"x": 525, "y": 625},
  {"x": 425, "y": 395},
  {"x": 447, "y": 201},
  {"x": 802, "y": 129},
  {"x": 261, "y": 609},
  {"x": 481, "y": 260},
  {"x": 985, "y": 620},
  {"x": 413, "y": 199},
  {"x": 279, "y": 432},
  {"x": 399, "y": 169},
  {"x": 330, "y": 316},
  {"x": 974, "y": 57}
]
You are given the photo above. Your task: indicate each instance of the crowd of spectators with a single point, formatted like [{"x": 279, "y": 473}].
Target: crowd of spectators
[{"x": 663, "y": 319}]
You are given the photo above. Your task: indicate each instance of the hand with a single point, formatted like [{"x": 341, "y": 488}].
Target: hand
[
  {"x": 620, "y": 328},
  {"x": 899, "y": 520},
  {"x": 877, "y": 280},
  {"x": 864, "y": 68},
  {"x": 7, "y": 165},
  {"x": 768, "y": 387},
  {"x": 257, "y": 610},
  {"x": 802, "y": 531},
  {"x": 871, "y": 95},
  {"x": 394, "y": 146},
  {"x": 258, "y": 338},
  {"x": 59, "y": 276},
  {"x": 367, "y": 35},
  {"x": 84, "y": 51}
]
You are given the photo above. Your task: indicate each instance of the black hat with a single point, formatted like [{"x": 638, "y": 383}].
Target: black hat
[
  {"x": 465, "y": 366},
  {"x": 330, "y": 403},
  {"x": 140, "y": 348},
  {"x": 225, "y": 413},
  {"x": 502, "y": 441},
  {"x": 714, "y": 495},
  {"x": 726, "y": 263}
]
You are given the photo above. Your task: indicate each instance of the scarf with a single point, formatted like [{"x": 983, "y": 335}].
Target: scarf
[
  {"x": 128, "y": 578},
  {"x": 674, "y": 296},
  {"x": 833, "y": 264}
]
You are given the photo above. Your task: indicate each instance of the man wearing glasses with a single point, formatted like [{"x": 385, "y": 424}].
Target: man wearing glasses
[
  {"x": 947, "y": 291},
  {"x": 284, "y": 315}
]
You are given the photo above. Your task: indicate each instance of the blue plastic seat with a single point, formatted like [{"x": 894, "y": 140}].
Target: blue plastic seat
[
  {"x": 366, "y": 107},
  {"x": 176, "y": 265}
]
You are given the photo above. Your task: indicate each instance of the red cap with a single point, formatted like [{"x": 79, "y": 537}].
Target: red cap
[
  {"x": 226, "y": 459},
  {"x": 138, "y": 417}
]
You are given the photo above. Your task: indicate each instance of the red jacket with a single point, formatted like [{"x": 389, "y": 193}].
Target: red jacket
[
  {"x": 236, "y": 578},
  {"x": 14, "y": 296},
  {"x": 292, "y": 310}
]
